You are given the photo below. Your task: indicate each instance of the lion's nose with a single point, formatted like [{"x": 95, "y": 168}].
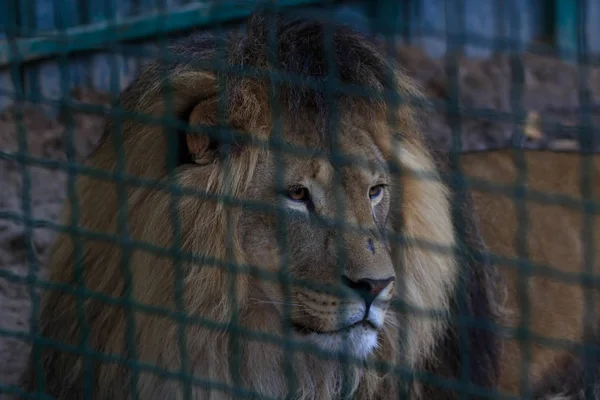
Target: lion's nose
[{"x": 368, "y": 288}]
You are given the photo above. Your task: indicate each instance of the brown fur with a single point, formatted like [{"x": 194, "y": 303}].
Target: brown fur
[
  {"x": 233, "y": 313},
  {"x": 554, "y": 239}
]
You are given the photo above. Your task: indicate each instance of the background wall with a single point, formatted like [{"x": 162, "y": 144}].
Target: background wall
[{"x": 39, "y": 29}]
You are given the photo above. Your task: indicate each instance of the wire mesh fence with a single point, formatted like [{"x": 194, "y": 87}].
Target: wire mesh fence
[{"x": 265, "y": 216}]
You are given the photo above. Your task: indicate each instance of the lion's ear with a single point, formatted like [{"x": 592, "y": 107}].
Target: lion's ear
[{"x": 202, "y": 149}]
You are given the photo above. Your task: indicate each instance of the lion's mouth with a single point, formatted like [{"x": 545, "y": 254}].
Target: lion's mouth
[{"x": 305, "y": 330}]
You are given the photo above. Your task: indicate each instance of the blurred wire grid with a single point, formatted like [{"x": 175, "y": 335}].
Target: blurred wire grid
[{"x": 41, "y": 38}]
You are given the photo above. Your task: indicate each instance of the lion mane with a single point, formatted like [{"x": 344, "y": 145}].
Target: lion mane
[{"x": 142, "y": 307}]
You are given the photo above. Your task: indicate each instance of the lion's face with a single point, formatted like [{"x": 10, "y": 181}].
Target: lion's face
[{"x": 347, "y": 268}]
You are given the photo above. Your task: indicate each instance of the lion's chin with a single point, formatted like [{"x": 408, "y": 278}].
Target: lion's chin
[{"x": 358, "y": 341}]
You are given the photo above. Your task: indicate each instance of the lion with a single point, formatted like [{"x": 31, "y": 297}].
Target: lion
[{"x": 274, "y": 237}]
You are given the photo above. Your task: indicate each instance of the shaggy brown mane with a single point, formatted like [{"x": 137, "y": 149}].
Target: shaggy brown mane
[{"x": 420, "y": 210}]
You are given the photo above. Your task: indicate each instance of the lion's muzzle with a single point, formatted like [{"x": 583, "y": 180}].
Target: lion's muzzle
[
  {"x": 350, "y": 323},
  {"x": 364, "y": 305}
]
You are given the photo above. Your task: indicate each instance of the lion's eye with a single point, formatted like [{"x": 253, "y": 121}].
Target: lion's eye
[
  {"x": 298, "y": 193},
  {"x": 375, "y": 191}
]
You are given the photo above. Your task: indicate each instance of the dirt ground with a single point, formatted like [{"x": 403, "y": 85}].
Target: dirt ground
[{"x": 548, "y": 95}]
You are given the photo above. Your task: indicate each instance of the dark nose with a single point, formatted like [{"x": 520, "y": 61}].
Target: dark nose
[{"x": 368, "y": 288}]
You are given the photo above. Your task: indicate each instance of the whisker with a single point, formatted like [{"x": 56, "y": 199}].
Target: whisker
[{"x": 275, "y": 302}]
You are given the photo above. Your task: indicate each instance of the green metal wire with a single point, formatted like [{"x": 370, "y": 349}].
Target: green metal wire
[{"x": 118, "y": 36}]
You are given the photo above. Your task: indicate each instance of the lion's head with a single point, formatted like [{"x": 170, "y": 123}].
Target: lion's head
[
  {"x": 351, "y": 288},
  {"x": 302, "y": 222}
]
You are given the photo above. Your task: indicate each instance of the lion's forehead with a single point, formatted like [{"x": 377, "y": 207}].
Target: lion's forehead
[
  {"x": 328, "y": 176},
  {"x": 351, "y": 156}
]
